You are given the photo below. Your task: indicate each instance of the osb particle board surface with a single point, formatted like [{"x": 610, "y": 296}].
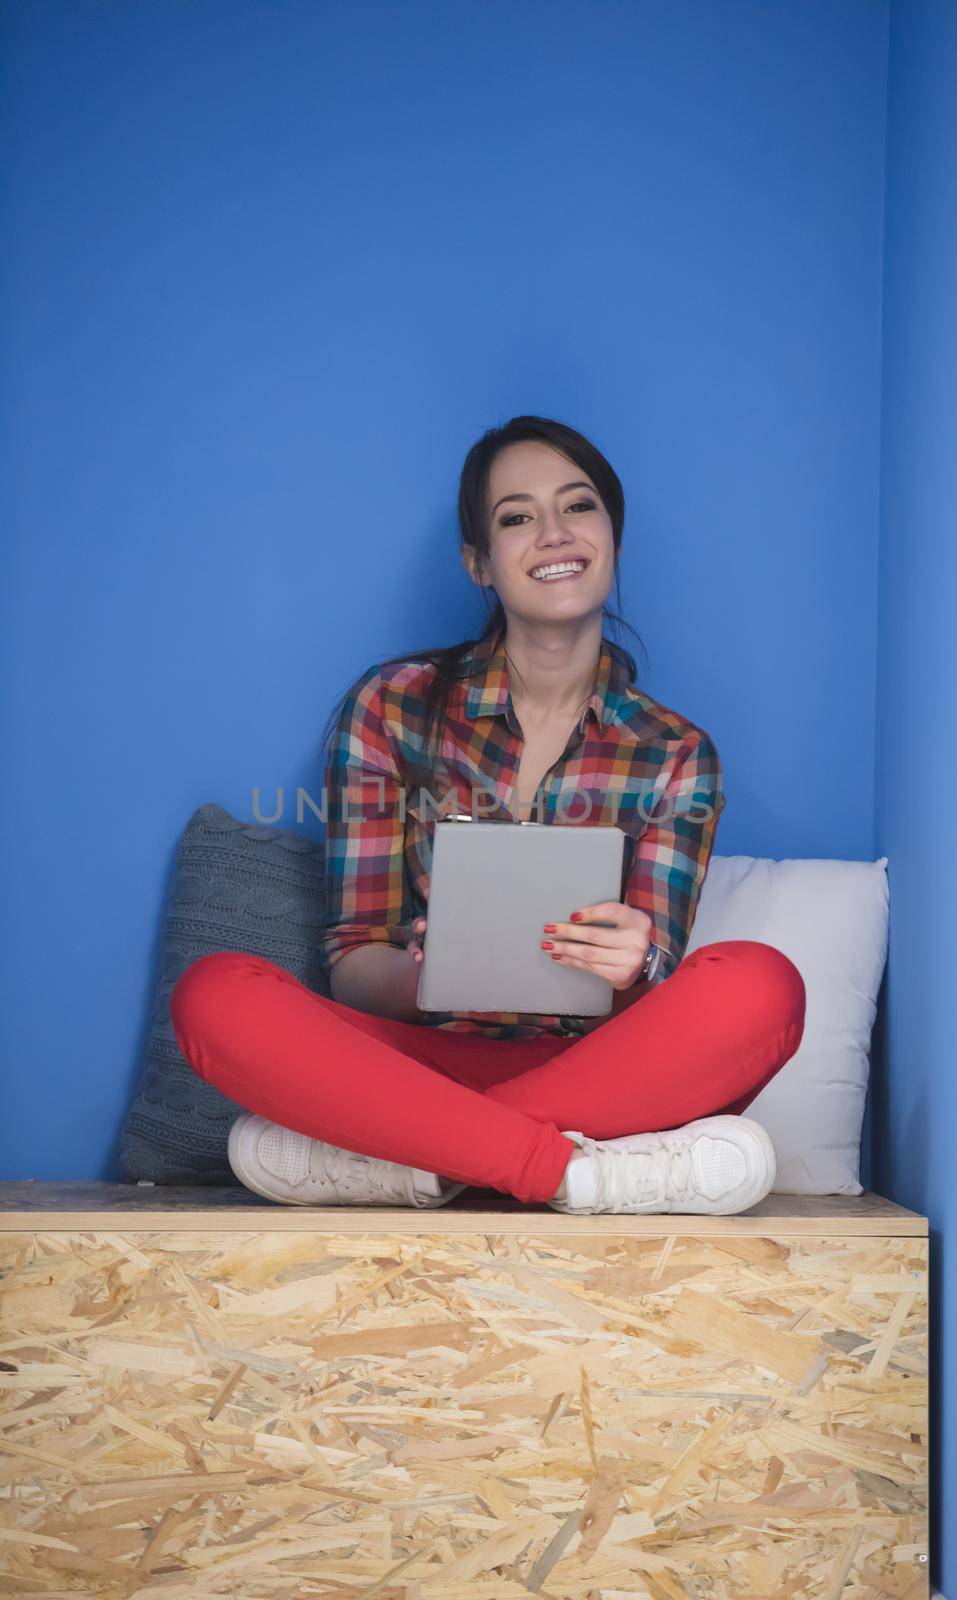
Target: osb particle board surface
[
  {"x": 480, "y": 1416},
  {"x": 132, "y": 1208}
]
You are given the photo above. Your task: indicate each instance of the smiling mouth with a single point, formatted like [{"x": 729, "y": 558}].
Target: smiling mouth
[{"x": 561, "y": 572}]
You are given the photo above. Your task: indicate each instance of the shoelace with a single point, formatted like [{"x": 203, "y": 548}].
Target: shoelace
[
  {"x": 642, "y": 1177},
  {"x": 342, "y": 1168}
]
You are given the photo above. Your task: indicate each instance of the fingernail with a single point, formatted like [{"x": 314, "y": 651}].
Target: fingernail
[
  {"x": 549, "y": 927},
  {"x": 546, "y": 944},
  {"x": 576, "y": 916}
]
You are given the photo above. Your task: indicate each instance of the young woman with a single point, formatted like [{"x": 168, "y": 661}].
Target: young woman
[{"x": 362, "y": 1098}]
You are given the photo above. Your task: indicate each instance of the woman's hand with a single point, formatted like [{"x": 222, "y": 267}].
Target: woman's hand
[
  {"x": 610, "y": 939},
  {"x": 414, "y": 937}
]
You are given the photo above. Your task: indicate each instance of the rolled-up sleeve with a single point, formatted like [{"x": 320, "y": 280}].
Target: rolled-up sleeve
[
  {"x": 366, "y": 895},
  {"x": 671, "y": 855}
]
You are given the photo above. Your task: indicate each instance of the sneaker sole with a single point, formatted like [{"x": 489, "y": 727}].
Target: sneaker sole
[{"x": 432, "y": 1202}]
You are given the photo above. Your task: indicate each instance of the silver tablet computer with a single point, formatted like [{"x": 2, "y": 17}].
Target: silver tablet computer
[{"x": 493, "y": 885}]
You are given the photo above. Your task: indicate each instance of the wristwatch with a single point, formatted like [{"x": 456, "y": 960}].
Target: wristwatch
[{"x": 652, "y": 963}]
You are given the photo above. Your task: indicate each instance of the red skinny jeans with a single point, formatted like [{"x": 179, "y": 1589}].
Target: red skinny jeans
[{"x": 485, "y": 1111}]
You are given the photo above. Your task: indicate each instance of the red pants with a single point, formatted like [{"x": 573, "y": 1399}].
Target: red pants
[{"x": 489, "y": 1111}]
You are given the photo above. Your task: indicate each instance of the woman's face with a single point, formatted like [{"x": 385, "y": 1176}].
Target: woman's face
[{"x": 544, "y": 509}]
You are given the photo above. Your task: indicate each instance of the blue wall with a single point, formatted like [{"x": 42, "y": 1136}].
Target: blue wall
[
  {"x": 274, "y": 267},
  {"x": 915, "y": 1101},
  {"x": 270, "y": 268}
]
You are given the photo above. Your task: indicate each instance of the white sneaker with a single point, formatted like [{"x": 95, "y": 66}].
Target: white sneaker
[
  {"x": 282, "y": 1164},
  {"x": 717, "y": 1165}
]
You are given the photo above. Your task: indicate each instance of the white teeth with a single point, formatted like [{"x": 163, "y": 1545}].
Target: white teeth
[{"x": 558, "y": 570}]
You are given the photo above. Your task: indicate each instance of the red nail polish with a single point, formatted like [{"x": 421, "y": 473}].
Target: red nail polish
[
  {"x": 576, "y": 916},
  {"x": 549, "y": 927},
  {"x": 546, "y": 944}
]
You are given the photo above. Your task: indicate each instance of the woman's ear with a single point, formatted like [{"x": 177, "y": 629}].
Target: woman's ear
[{"x": 471, "y": 566}]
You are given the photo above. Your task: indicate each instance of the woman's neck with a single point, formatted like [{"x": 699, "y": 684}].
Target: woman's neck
[{"x": 552, "y": 672}]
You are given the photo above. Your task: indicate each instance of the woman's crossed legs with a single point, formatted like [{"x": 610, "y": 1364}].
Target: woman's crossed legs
[{"x": 484, "y": 1111}]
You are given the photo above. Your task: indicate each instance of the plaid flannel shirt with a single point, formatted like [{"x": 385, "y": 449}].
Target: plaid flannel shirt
[{"x": 641, "y": 766}]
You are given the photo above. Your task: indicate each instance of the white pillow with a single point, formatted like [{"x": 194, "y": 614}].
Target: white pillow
[{"x": 830, "y": 917}]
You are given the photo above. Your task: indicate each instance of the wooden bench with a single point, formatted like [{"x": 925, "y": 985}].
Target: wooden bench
[{"x": 208, "y": 1394}]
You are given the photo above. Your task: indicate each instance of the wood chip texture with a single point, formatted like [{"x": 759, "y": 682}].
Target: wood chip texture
[{"x": 455, "y": 1415}]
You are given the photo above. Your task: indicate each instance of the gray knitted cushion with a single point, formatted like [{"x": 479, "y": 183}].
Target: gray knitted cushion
[{"x": 236, "y": 886}]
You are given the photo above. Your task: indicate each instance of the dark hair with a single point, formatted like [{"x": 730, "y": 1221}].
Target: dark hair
[{"x": 475, "y": 532}]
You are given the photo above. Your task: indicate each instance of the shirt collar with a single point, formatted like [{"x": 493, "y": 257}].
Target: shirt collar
[{"x": 488, "y": 691}]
